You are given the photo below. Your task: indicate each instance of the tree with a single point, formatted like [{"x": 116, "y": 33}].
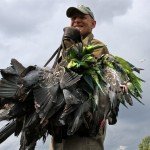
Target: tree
[{"x": 145, "y": 143}]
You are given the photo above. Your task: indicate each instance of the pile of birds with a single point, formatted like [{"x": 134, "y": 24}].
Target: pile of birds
[{"x": 61, "y": 101}]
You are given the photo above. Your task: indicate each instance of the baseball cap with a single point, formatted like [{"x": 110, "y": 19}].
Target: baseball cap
[{"x": 80, "y": 8}]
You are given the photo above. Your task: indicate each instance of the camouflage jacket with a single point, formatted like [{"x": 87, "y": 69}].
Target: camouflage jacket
[{"x": 90, "y": 40}]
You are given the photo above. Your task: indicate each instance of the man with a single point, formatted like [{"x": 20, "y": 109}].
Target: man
[{"x": 82, "y": 18}]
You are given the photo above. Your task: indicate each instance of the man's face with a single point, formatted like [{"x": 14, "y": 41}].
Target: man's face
[{"x": 83, "y": 22}]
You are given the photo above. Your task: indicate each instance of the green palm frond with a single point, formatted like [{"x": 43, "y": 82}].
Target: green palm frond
[
  {"x": 94, "y": 68},
  {"x": 135, "y": 86},
  {"x": 94, "y": 76}
]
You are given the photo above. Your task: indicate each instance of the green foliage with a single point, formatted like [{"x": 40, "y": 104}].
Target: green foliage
[
  {"x": 145, "y": 143},
  {"x": 135, "y": 82},
  {"x": 82, "y": 60},
  {"x": 78, "y": 57}
]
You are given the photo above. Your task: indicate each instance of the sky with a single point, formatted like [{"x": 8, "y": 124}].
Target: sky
[{"x": 31, "y": 30}]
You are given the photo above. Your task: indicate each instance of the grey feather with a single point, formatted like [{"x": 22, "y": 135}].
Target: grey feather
[{"x": 17, "y": 66}]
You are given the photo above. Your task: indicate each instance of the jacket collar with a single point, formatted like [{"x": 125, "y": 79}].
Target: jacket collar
[{"x": 87, "y": 40}]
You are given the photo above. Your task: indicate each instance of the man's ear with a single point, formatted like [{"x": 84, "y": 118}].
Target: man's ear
[{"x": 93, "y": 24}]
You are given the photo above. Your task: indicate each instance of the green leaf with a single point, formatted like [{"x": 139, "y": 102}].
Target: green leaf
[
  {"x": 90, "y": 48},
  {"x": 74, "y": 63}
]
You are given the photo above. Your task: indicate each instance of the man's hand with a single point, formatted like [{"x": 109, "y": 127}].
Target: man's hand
[
  {"x": 72, "y": 33},
  {"x": 124, "y": 88}
]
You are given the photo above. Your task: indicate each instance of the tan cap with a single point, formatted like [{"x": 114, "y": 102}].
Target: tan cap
[{"x": 80, "y": 8}]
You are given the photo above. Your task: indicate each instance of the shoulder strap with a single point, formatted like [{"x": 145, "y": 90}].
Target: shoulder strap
[{"x": 57, "y": 57}]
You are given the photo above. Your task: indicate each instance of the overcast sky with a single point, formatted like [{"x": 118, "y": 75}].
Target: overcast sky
[{"x": 31, "y": 30}]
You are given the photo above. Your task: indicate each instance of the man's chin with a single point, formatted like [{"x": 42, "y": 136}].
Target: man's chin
[{"x": 78, "y": 28}]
